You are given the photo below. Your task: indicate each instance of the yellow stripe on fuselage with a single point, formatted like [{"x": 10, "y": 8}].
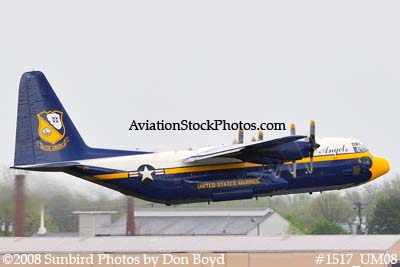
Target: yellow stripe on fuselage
[
  {"x": 240, "y": 165},
  {"x": 211, "y": 167},
  {"x": 118, "y": 175},
  {"x": 250, "y": 165}
]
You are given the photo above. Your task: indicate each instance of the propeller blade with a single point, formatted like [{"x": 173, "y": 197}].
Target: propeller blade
[
  {"x": 234, "y": 141},
  {"x": 292, "y": 129},
  {"x": 294, "y": 169},
  {"x": 312, "y": 128},
  {"x": 240, "y": 137},
  {"x": 260, "y": 135},
  {"x": 252, "y": 138},
  {"x": 313, "y": 144}
]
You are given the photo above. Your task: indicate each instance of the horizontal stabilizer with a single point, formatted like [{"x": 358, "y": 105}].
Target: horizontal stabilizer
[{"x": 49, "y": 167}]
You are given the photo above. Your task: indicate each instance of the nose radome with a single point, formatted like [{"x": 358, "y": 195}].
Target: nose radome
[{"x": 379, "y": 167}]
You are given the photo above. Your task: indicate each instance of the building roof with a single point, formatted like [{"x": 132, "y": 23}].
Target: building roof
[
  {"x": 199, "y": 212},
  {"x": 59, "y": 234},
  {"x": 189, "y": 225},
  {"x": 169, "y": 244},
  {"x": 94, "y": 212},
  {"x": 193, "y": 221}
]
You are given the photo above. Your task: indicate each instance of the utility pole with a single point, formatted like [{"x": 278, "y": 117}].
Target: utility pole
[
  {"x": 359, "y": 207},
  {"x": 130, "y": 220}
]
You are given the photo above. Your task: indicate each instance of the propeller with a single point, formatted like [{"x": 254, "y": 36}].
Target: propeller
[
  {"x": 252, "y": 138},
  {"x": 240, "y": 136},
  {"x": 260, "y": 136},
  {"x": 292, "y": 129},
  {"x": 239, "y": 140},
  {"x": 294, "y": 164},
  {"x": 313, "y": 144}
]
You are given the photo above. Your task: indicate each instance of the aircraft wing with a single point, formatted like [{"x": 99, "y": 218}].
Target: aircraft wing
[{"x": 268, "y": 150}]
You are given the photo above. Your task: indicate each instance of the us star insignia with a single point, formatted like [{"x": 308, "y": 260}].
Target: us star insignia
[{"x": 146, "y": 173}]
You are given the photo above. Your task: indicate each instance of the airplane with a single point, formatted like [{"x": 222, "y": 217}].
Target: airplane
[{"x": 48, "y": 141}]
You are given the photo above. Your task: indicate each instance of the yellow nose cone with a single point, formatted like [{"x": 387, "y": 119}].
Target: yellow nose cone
[{"x": 380, "y": 166}]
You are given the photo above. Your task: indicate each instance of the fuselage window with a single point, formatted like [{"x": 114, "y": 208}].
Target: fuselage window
[
  {"x": 366, "y": 161},
  {"x": 359, "y": 148}
]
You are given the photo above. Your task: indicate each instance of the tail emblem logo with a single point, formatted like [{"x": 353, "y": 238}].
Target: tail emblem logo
[{"x": 51, "y": 130}]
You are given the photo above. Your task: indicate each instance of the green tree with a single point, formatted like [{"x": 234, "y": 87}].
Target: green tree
[
  {"x": 32, "y": 215},
  {"x": 32, "y": 207},
  {"x": 323, "y": 227},
  {"x": 296, "y": 225},
  {"x": 332, "y": 207},
  {"x": 296, "y": 209},
  {"x": 385, "y": 218},
  {"x": 6, "y": 209}
]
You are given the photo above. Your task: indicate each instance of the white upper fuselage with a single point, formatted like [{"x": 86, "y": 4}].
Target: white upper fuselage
[{"x": 173, "y": 159}]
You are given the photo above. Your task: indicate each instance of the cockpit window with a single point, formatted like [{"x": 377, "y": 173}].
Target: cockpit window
[{"x": 358, "y": 147}]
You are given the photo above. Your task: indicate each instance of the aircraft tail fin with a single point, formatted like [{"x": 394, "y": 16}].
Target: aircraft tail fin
[{"x": 45, "y": 132}]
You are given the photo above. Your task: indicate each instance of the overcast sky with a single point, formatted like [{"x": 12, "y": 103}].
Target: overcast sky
[{"x": 337, "y": 62}]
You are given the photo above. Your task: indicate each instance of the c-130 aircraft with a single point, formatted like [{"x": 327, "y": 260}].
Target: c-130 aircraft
[{"x": 47, "y": 141}]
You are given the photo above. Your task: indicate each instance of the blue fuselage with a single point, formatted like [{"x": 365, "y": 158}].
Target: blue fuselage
[{"x": 244, "y": 180}]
